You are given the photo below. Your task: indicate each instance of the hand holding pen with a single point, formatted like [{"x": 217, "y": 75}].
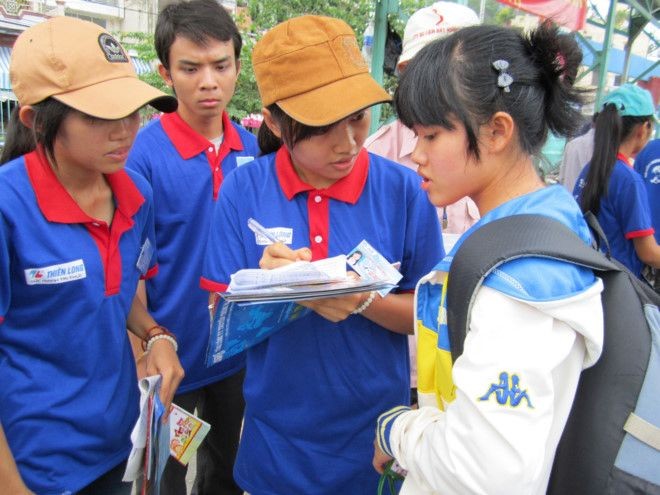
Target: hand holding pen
[
  {"x": 259, "y": 229},
  {"x": 277, "y": 254}
]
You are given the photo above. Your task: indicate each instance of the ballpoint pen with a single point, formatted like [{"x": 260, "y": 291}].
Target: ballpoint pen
[{"x": 257, "y": 228}]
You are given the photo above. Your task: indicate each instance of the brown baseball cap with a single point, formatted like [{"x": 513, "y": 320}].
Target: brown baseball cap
[
  {"x": 312, "y": 68},
  {"x": 83, "y": 66}
]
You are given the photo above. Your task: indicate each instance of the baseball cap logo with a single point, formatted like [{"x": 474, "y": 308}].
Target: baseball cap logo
[
  {"x": 440, "y": 17},
  {"x": 111, "y": 49},
  {"x": 353, "y": 52}
]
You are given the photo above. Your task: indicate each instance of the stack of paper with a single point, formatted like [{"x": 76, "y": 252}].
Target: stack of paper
[
  {"x": 298, "y": 281},
  {"x": 298, "y": 273}
]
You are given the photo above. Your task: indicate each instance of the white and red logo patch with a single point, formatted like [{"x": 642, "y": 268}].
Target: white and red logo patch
[{"x": 56, "y": 274}]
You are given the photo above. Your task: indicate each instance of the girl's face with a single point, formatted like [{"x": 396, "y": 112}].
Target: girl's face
[
  {"x": 322, "y": 160},
  {"x": 448, "y": 172},
  {"x": 644, "y": 134},
  {"x": 88, "y": 145}
]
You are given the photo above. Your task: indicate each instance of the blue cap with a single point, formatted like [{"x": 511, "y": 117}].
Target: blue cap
[{"x": 631, "y": 100}]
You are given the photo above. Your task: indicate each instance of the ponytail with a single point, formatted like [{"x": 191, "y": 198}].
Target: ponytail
[
  {"x": 19, "y": 140},
  {"x": 48, "y": 117},
  {"x": 610, "y": 131},
  {"x": 268, "y": 142},
  {"x": 607, "y": 139},
  {"x": 559, "y": 57}
]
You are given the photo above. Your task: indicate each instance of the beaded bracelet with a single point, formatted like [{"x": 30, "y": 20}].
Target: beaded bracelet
[
  {"x": 153, "y": 332},
  {"x": 365, "y": 304},
  {"x": 159, "y": 329},
  {"x": 162, "y": 336}
]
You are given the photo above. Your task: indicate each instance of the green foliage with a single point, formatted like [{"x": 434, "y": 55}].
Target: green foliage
[
  {"x": 266, "y": 14},
  {"x": 504, "y": 16},
  {"x": 246, "y": 97},
  {"x": 621, "y": 18}
]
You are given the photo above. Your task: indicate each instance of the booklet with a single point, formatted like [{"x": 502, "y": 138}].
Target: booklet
[
  {"x": 186, "y": 434},
  {"x": 236, "y": 327}
]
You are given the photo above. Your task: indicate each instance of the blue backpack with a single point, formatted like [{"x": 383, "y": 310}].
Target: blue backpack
[{"x": 611, "y": 442}]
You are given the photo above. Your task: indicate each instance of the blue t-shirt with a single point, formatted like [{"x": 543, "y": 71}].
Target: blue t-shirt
[
  {"x": 647, "y": 164},
  {"x": 186, "y": 173},
  {"x": 624, "y": 212},
  {"x": 314, "y": 389},
  {"x": 69, "y": 395}
]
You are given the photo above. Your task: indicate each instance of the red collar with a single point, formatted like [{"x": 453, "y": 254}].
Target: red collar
[
  {"x": 347, "y": 189},
  {"x": 189, "y": 142},
  {"x": 624, "y": 159},
  {"x": 56, "y": 203}
]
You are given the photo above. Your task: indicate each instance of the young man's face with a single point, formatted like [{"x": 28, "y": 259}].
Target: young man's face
[{"x": 203, "y": 77}]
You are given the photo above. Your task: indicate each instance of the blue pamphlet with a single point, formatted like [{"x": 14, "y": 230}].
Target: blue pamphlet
[{"x": 236, "y": 327}]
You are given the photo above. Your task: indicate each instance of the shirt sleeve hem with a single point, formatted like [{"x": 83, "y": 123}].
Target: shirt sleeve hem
[
  {"x": 212, "y": 286},
  {"x": 640, "y": 233}
]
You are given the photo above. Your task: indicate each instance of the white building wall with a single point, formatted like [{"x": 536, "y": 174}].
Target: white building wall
[{"x": 114, "y": 15}]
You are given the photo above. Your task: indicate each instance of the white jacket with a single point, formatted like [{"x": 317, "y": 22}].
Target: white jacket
[{"x": 480, "y": 445}]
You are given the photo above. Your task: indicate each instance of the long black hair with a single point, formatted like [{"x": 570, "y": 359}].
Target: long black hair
[
  {"x": 48, "y": 117},
  {"x": 454, "y": 79},
  {"x": 611, "y": 129}
]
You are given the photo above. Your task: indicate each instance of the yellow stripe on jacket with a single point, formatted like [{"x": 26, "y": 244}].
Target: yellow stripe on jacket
[{"x": 435, "y": 385}]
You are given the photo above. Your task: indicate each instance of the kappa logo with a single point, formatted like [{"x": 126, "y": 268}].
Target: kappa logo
[
  {"x": 112, "y": 49},
  {"x": 507, "y": 391}
]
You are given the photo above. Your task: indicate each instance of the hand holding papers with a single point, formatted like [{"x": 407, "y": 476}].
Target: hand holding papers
[
  {"x": 301, "y": 280},
  {"x": 242, "y": 319},
  {"x": 153, "y": 442},
  {"x": 150, "y": 439}
]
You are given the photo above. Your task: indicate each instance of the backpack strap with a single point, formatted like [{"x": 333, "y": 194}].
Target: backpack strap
[
  {"x": 502, "y": 240},
  {"x": 643, "y": 430},
  {"x": 598, "y": 233}
]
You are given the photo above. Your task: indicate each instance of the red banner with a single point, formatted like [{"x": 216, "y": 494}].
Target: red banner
[{"x": 568, "y": 13}]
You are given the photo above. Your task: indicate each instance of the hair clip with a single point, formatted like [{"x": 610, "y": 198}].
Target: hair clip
[{"x": 504, "y": 80}]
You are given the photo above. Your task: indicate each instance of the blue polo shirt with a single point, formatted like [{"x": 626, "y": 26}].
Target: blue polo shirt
[
  {"x": 314, "y": 389},
  {"x": 186, "y": 173},
  {"x": 624, "y": 212},
  {"x": 69, "y": 395},
  {"x": 647, "y": 164}
]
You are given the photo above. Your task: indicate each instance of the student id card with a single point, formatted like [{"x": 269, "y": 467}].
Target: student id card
[{"x": 370, "y": 264}]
